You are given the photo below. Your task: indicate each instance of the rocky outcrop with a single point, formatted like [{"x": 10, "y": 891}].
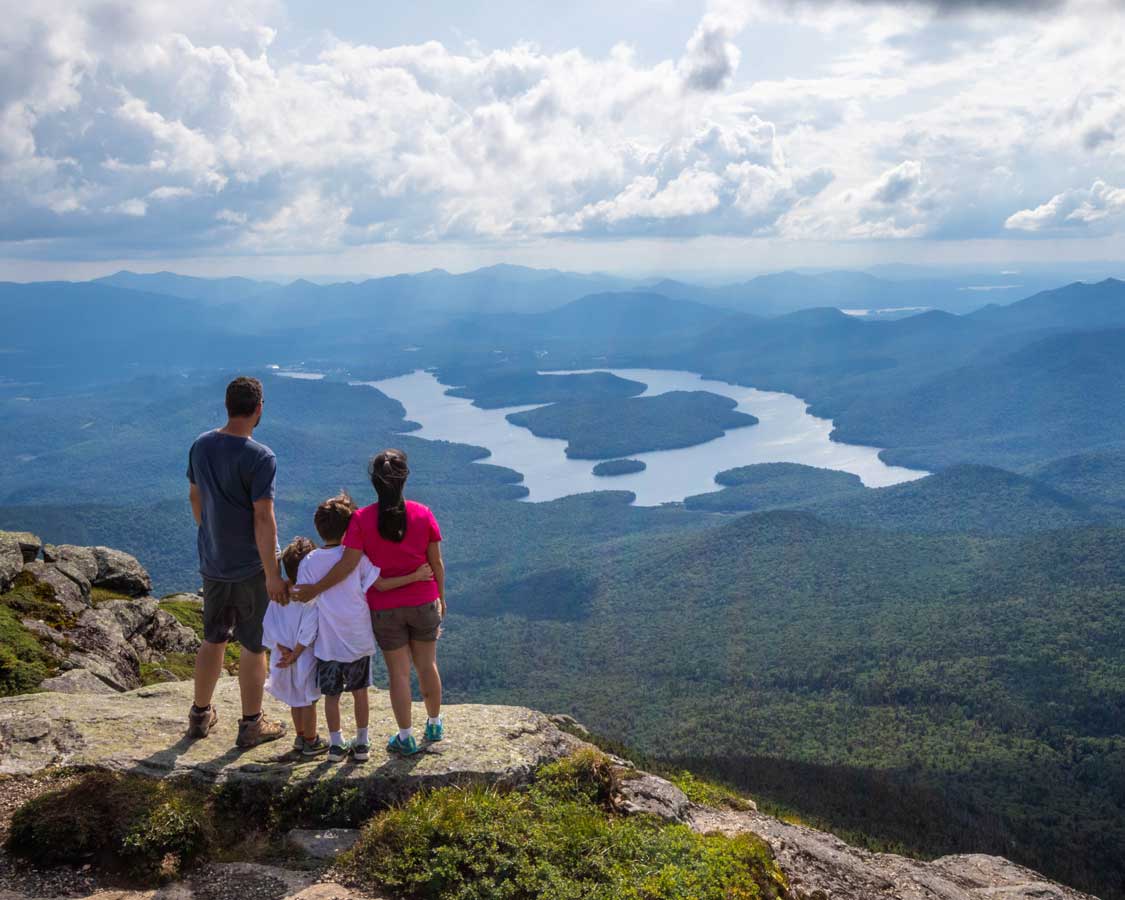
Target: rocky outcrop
[
  {"x": 820, "y": 866},
  {"x": 143, "y": 732},
  {"x": 108, "y": 639}
]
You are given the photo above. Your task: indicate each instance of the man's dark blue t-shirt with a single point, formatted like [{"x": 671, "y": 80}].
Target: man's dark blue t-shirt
[{"x": 231, "y": 473}]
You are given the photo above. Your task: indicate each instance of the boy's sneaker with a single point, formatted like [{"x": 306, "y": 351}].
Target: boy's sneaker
[
  {"x": 435, "y": 731},
  {"x": 315, "y": 747},
  {"x": 260, "y": 730},
  {"x": 201, "y": 721},
  {"x": 337, "y": 753},
  {"x": 361, "y": 752},
  {"x": 404, "y": 748}
]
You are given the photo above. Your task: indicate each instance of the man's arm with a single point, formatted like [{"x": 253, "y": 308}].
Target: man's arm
[
  {"x": 265, "y": 536},
  {"x": 305, "y": 592},
  {"x": 196, "y": 504}
]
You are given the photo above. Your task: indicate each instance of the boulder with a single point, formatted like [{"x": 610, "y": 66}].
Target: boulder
[
  {"x": 148, "y": 629},
  {"x": 640, "y": 792},
  {"x": 100, "y": 645},
  {"x": 120, "y": 572},
  {"x": 80, "y": 559},
  {"x": 30, "y": 545},
  {"x": 11, "y": 560},
  {"x": 64, "y": 589},
  {"x": 76, "y": 681}
]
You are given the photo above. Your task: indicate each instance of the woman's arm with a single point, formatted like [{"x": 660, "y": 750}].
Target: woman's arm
[
  {"x": 422, "y": 573},
  {"x": 433, "y": 555},
  {"x": 303, "y": 593}
]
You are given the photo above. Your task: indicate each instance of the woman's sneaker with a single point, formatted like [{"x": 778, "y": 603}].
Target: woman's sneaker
[
  {"x": 402, "y": 747},
  {"x": 315, "y": 747},
  {"x": 361, "y": 752},
  {"x": 337, "y": 753},
  {"x": 435, "y": 731}
]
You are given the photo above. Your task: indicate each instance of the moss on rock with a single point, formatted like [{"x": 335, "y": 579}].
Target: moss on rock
[{"x": 24, "y": 663}]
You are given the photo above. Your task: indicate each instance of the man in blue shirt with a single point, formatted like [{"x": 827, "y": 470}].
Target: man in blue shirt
[{"x": 232, "y": 487}]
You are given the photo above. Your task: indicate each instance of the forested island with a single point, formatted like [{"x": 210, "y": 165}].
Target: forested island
[
  {"x": 612, "y": 467},
  {"x": 617, "y": 428}
]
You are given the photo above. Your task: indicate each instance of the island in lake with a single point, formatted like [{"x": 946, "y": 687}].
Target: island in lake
[
  {"x": 617, "y": 427},
  {"x": 619, "y": 467}
]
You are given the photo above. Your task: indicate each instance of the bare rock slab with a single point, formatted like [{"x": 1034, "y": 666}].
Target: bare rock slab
[
  {"x": 820, "y": 866},
  {"x": 323, "y": 843},
  {"x": 144, "y": 732}
]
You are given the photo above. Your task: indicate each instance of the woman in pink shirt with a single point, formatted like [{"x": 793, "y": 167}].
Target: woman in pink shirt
[{"x": 401, "y": 538}]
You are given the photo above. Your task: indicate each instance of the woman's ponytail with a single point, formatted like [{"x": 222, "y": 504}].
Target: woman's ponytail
[{"x": 389, "y": 471}]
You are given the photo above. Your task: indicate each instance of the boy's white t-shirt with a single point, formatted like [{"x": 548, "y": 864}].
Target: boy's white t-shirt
[
  {"x": 288, "y": 626},
  {"x": 344, "y": 622}
]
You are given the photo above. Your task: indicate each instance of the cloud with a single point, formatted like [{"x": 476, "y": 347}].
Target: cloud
[
  {"x": 171, "y": 128},
  {"x": 712, "y": 57},
  {"x": 1099, "y": 206}
]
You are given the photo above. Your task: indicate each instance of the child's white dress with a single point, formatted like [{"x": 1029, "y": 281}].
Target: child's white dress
[{"x": 290, "y": 625}]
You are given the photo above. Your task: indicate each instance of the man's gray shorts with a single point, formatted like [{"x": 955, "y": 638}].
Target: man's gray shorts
[{"x": 234, "y": 610}]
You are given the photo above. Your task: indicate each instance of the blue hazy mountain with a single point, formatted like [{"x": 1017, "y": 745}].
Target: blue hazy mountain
[{"x": 212, "y": 290}]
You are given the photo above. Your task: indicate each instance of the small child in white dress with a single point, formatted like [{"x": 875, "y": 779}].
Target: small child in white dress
[{"x": 289, "y": 632}]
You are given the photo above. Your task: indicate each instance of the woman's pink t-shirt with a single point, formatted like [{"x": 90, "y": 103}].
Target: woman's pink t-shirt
[{"x": 396, "y": 559}]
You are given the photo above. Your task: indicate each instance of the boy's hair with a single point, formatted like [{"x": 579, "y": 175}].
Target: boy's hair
[
  {"x": 243, "y": 396},
  {"x": 291, "y": 556},
  {"x": 332, "y": 517}
]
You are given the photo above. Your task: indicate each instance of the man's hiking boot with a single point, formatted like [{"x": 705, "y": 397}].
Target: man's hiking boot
[
  {"x": 201, "y": 721},
  {"x": 259, "y": 730}
]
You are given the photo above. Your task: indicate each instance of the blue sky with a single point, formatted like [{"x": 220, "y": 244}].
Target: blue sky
[{"x": 732, "y": 136}]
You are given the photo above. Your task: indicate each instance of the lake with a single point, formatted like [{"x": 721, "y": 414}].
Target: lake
[{"x": 785, "y": 433}]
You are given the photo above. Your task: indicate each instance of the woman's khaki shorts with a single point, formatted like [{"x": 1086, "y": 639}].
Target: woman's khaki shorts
[{"x": 395, "y": 628}]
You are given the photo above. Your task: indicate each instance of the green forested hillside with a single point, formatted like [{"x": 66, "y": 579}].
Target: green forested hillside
[{"x": 969, "y": 666}]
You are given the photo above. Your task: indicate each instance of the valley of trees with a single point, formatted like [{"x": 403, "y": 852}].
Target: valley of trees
[{"x": 937, "y": 666}]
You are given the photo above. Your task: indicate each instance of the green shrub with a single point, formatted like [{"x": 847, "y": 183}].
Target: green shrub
[
  {"x": 99, "y": 595},
  {"x": 145, "y": 828},
  {"x": 180, "y": 665},
  {"x": 23, "y": 661},
  {"x": 706, "y": 792},
  {"x": 191, "y": 614},
  {"x": 556, "y": 840}
]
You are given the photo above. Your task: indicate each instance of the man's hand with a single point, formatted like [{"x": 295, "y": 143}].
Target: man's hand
[
  {"x": 424, "y": 573},
  {"x": 277, "y": 588}
]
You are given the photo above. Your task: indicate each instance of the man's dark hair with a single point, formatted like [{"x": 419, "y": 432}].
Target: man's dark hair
[
  {"x": 332, "y": 517},
  {"x": 291, "y": 556},
  {"x": 243, "y": 396}
]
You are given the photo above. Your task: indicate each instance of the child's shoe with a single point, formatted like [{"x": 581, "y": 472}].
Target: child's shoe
[
  {"x": 361, "y": 752},
  {"x": 315, "y": 747},
  {"x": 435, "y": 731},
  {"x": 298, "y": 743},
  {"x": 337, "y": 753},
  {"x": 402, "y": 747}
]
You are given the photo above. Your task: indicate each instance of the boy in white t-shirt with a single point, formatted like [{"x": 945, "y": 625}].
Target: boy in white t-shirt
[
  {"x": 345, "y": 642},
  {"x": 289, "y": 631}
]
